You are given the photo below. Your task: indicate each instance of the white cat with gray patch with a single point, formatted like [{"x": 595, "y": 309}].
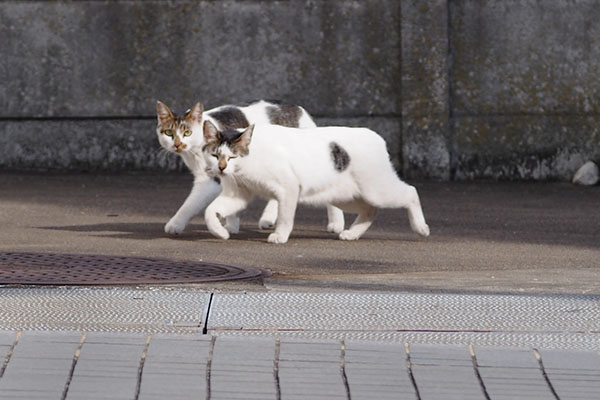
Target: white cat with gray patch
[
  {"x": 347, "y": 167},
  {"x": 183, "y": 135}
]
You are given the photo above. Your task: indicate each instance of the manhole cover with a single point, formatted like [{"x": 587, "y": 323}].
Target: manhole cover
[{"x": 75, "y": 269}]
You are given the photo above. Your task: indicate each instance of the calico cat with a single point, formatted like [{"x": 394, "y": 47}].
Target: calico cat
[
  {"x": 347, "y": 167},
  {"x": 183, "y": 135}
]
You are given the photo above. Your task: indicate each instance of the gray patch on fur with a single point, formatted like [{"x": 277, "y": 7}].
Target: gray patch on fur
[
  {"x": 341, "y": 159},
  {"x": 230, "y": 136},
  {"x": 230, "y": 118},
  {"x": 285, "y": 115}
]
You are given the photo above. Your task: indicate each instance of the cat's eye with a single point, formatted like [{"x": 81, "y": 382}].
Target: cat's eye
[
  {"x": 215, "y": 155},
  {"x": 187, "y": 133},
  {"x": 230, "y": 158},
  {"x": 168, "y": 132}
]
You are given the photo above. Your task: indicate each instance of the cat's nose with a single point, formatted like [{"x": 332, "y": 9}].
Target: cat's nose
[{"x": 179, "y": 147}]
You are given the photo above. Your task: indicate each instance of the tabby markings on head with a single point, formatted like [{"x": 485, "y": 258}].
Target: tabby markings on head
[
  {"x": 341, "y": 159},
  {"x": 171, "y": 126}
]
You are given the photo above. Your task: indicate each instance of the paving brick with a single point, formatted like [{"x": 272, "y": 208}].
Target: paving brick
[
  {"x": 50, "y": 337},
  {"x": 563, "y": 361},
  {"x": 170, "y": 349},
  {"x": 153, "y": 367},
  {"x": 110, "y": 387},
  {"x": 376, "y": 393},
  {"x": 310, "y": 352},
  {"x": 505, "y": 357},
  {"x": 241, "y": 395},
  {"x": 115, "y": 338},
  {"x": 7, "y": 338},
  {"x": 112, "y": 351},
  {"x": 433, "y": 381}
]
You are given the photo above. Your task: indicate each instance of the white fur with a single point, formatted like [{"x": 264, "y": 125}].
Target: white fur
[
  {"x": 205, "y": 190},
  {"x": 292, "y": 165}
]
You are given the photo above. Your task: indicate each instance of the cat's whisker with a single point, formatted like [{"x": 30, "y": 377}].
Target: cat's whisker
[
  {"x": 162, "y": 154},
  {"x": 194, "y": 152}
]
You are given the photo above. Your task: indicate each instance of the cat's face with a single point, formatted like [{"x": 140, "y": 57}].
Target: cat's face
[
  {"x": 179, "y": 134},
  {"x": 224, "y": 151}
]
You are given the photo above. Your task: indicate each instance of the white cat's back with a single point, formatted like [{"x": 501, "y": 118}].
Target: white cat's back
[
  {"x": 258, "y": 113},
  {"x": 315, "y": 144},
  {"x": 324, "y": 161}
]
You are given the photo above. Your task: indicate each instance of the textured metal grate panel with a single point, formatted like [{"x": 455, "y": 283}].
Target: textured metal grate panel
[
  {"x": 78, "y": 269},
  {"x": 103, "y": 310},
  {"x": 556, "y": 322}
]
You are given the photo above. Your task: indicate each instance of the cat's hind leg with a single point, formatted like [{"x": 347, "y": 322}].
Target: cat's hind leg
[
  {"x": 335, "y": 218},
  {"x": 366, "y": 216},
  {"x": 223, "y": 207},
  {"x": 415, "y": 215},
  {"x": 399, "y": 194},
  {"x": 269, "y": 216}
]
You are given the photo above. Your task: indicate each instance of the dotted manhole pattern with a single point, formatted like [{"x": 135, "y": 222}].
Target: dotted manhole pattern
[{"x": 82, "y": 270}]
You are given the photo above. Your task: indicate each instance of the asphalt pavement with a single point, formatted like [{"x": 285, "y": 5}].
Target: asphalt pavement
[{"x": 486, "y": 237}]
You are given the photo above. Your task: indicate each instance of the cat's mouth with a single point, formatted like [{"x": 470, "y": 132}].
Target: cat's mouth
[{"x": 180, "y": 149}]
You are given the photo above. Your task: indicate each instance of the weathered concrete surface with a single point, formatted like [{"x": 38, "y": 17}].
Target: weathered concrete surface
[
  {"x": 340, "y": 60},
  {"x": 525, "y": 97},
  {"x": 424, "y": 95},
  {"x": 119, "y": 144},
  {"x": 459, "y": 89},
  {"x": 114, "y": 59},
  {"x": 83, "y": 145}
]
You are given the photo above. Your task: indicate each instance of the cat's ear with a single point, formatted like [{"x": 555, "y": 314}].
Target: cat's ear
[
  {"x": 211, "y": 133},
  {"x": 196, "y": 113},
  {"x": 242, "y": 144},
  {"x": 163, "y": 113}
]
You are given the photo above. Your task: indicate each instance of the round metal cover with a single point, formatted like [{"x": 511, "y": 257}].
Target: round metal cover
[{"x": 76, "y": 269}]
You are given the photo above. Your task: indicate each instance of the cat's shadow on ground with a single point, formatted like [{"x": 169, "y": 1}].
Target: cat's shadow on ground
[{"x": 193, "y": 233}]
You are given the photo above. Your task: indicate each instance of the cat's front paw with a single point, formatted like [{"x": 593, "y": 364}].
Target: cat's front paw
[
  {"x": 220, "y": 233},
  {"x": 174, "y": 226},
  {"x": 349, "y": 235},
  {"x": 277, "y": 238},
  {"x": 335, "y": 227},
  {"x": 232, "y": 224},
  {"x": 215, "y": 228}
]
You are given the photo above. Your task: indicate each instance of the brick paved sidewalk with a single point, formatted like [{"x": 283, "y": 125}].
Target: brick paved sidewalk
[
  {"x": 77, "y": 343},
  {"x": 60, "y": 365}
]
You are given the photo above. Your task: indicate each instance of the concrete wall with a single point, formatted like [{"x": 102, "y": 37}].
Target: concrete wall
[
  {"x": 459, "y": 89},
  {"x": 525, "y": 89}
]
